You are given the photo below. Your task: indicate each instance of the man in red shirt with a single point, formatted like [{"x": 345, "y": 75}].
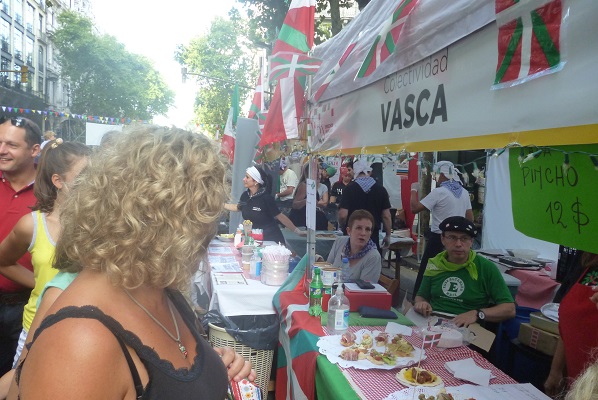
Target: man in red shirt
[{"x": 20, "y": 140}]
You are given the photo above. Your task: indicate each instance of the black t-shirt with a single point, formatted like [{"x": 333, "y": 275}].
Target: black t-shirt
[
  {"x": 374, "y": 201},
  {"x": 337, "y": 191},
  {"x": 262, "y": 210}
]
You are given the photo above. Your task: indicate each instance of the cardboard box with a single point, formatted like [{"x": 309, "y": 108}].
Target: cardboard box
[
  {"x": 538, "y": 339},
  {"x": 537, "y": 320}
]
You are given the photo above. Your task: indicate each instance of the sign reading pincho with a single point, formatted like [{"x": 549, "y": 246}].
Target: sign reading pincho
[{"x": 554, "y": 194}]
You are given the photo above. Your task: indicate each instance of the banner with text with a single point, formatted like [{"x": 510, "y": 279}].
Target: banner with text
[{"x": 556, "y": 201}]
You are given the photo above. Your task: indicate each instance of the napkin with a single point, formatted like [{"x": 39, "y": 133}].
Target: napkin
[
  {"x": 468, "y": 370},
  {"x": 392, "y": 328}
]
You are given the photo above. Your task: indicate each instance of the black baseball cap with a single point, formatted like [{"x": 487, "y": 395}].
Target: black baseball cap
[{"x": 458, "y": 224}]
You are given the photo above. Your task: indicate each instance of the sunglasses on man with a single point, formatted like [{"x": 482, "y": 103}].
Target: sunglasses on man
[{"x": 21, "y": 122}]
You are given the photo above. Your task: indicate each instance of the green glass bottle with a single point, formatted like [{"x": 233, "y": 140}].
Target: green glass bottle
[{"x": 316, "y": 291}]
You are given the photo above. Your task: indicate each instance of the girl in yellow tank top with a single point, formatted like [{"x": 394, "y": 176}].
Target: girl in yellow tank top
[{"x": 38, "y": 232}]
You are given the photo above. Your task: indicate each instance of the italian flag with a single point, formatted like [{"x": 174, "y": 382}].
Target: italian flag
[
  {"x": 386, "y": 41},
  {"x": 227, "y": 146},
  {"x": 528, "y": 40},
  {"x": 296, "y": 36}
]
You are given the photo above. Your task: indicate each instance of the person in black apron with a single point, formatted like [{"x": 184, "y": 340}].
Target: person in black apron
[{"x": 257, "y": 205}]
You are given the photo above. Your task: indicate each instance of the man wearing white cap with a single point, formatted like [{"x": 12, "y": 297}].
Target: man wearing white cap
[
  {"x": 448, "y": 199},
  {"x": 365, "y": 194}
]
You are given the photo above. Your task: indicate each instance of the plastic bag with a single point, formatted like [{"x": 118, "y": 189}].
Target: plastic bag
[{"x": 256, "y": 331}]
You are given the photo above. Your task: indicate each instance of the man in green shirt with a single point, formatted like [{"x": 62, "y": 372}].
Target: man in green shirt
[{"x": 458, "y": 281}]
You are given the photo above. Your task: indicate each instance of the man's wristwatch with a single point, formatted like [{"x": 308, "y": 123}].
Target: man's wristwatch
[{"x": 481, "y": 315}]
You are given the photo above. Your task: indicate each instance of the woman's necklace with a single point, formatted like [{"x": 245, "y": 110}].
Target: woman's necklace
[{"x": 177, "y": 339}]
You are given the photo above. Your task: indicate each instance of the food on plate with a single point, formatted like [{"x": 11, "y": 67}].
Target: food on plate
[
  {"x": 442, "y": 395},
  {"x": 326, "y": 235},
  {"x": 414, "y": 376},
  {"x": 227, "y": 235},
  {"x": 348, "y": 339},
  {"x": 400, "y": 347},
  {"x": 375, "y": 357},
  {"x": 381, "y": 339},
  {"x": 367, "y": 341},
  {"x": 352, "y": 354}
]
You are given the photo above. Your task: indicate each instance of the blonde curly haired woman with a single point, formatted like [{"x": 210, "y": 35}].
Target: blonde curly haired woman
[{"x": 135, "y": 229}]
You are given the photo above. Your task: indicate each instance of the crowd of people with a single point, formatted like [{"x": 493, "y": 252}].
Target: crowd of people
[{"x": 94, "y": 251}]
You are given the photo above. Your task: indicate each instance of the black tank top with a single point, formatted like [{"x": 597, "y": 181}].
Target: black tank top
[{"x": 206, "y": 379}]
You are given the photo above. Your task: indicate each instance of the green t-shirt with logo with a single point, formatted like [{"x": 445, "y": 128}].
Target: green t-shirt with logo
[{"x": 456, "y": 292}]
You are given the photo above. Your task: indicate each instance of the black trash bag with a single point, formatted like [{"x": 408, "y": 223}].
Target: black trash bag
[{"x": 259, "y": 332}]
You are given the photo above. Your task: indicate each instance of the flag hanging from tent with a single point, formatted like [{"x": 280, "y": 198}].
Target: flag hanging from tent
[
  {"x": 296, "y": 36},
  {"x": 334, "y": 70},
  {"x": 285, "y": 64},
  {"x": 529, "y": 43},
  {"x": 386, "y": 41},
  {"x": 257, "y": 104}
]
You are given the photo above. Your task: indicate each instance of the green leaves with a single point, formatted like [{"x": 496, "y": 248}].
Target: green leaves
[{"x": 105, "y": 78}]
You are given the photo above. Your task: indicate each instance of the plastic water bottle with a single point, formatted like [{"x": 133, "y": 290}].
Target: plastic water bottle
[
  {"x": 338, "y": 312},
  {"x": 253, "y": 265},
  {"x": 345, "y": 270},
  {"x": 258, "y": 264},
  {"x": 316, "y": 291}
]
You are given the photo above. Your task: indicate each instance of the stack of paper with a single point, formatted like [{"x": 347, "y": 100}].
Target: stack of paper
[{"x": 468, "y": 370}]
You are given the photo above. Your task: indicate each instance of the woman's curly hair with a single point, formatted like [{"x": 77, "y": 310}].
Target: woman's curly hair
[{"x": 145, "y": 209}]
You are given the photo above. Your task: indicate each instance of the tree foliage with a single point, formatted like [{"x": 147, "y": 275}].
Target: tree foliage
[
  {"x": 105, "y": 79},
  {"x": 267, "y": 16},
  {"x": 222, "y": 53}
]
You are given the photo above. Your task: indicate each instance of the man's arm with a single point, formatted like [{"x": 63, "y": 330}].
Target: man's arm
[
  {"x": 387, "y": 224},
  {"x": 289, "y": 190},
  {"x": 414, "y": 203},
  {"x": 422, "y": 306},
  {"x": 497, "y": 313},
  {"x": 342, "y": 216}
]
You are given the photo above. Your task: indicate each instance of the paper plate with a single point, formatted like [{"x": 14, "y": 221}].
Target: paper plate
[
  {"x": 401, "y": 378},
  {"x": 551, "y": 310},
  {"x": 330, "y": 346},
  {"x": 225, "y": 239}
]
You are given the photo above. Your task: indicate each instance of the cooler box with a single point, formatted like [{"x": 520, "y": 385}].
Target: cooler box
[{"x": 377, "y": 297}]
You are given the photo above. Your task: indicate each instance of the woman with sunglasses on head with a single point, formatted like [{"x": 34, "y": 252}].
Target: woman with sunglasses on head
[
  {"x": 138, "y": 225},
  {"x": 257, "y": 205}
]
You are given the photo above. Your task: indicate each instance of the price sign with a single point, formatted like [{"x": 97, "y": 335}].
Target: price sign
[{"x": 553, "y": 203}]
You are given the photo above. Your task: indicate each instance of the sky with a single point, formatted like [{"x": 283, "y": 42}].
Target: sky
[{"x": 154, "y": 29}]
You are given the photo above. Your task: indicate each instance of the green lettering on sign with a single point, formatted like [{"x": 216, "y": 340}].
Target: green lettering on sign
[{"x": 553, "y": 205}]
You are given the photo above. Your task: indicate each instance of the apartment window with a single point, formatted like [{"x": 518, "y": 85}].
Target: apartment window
[
  {"x": 17, "y": 76},
  {"x": 30, "y": 17},
  {"x": 40, "y": 59},
  {"x": 29, "y": 51},
  {"x": 18, "y": 11},
  {"x": 40, "y": 85},
  {"x": 5, "y": 35},
  {"x": 4, "y": 77},
  {"x": 18, "y": 45},
  {"x": 5, "y": 7}
]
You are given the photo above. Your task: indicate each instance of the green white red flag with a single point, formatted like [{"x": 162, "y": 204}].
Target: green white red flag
[
  {"x": 227, "y": 145},
  {"x": 528, "y": 40},
  {"x": 333, "y": 72},
  {"x": 296, "y": 36},
  {"x": 284, "y": 64},
  {"x": 386, "y": 42},
  {"x": 257, "y": 104}
]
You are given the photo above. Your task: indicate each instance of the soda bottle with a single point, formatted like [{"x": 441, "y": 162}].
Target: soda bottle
[
  {"x": 338, "y": 312},
  {"x": 345, "y": 270},
  {"x": 316, "y": 289}
]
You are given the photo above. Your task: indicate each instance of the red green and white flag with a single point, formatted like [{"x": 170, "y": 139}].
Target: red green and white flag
[
  {"x": 386, "y": 41},
  {"x": 257, "y": 104},
  {"x": 285, "y": 64},
  {"x": 431, "y": 340},
  {"x": 297, "y": 31},
  {"x": 296, "y": 36},
  {"x": 333, "y": 72},
  {"x": 227, "y": 145},
  {"x": 528, "y": 40}
]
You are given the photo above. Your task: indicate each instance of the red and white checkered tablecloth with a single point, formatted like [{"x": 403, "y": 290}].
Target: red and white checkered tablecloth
[{"x": 377, "y": 384}]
